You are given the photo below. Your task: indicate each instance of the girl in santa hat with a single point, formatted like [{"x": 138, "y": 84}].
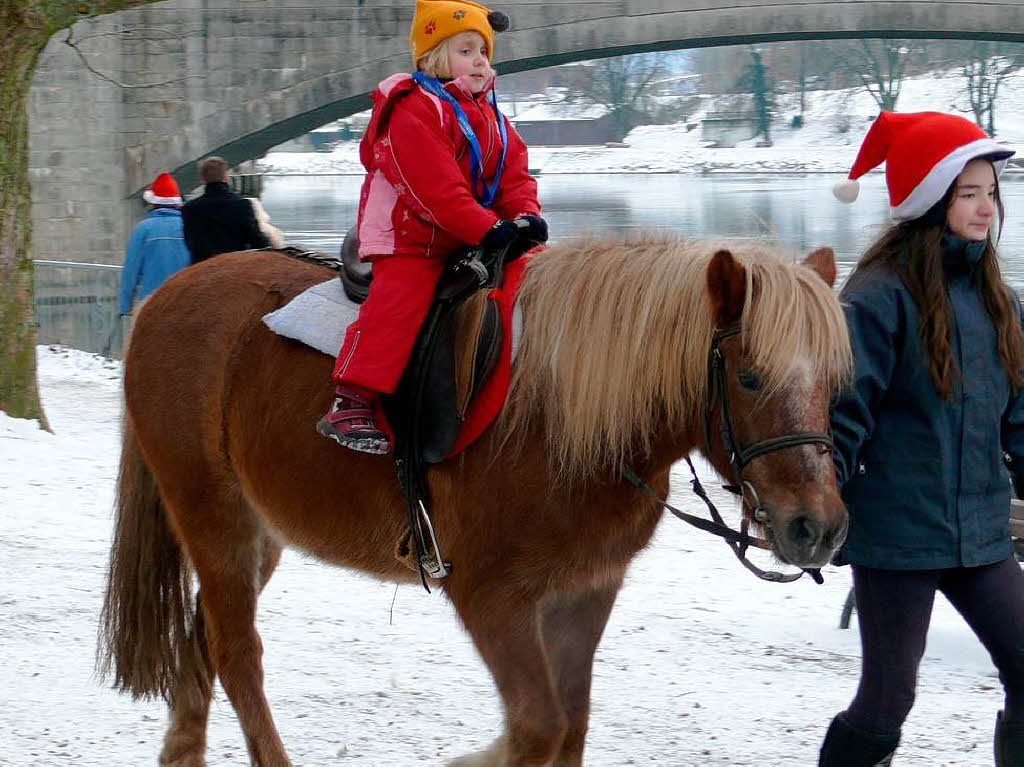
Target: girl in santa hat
[
  {"x": 444, "y": 170},
  {"x": 935, "y": 406}
]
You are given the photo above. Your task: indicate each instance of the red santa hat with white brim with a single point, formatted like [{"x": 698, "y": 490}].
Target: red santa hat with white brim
[
  {"x": 163, "y": 191},
  {"x": 923, "y": 153}
]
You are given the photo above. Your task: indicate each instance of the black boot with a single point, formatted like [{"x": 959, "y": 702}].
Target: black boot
[
  {"x": 849, "y": 746},
  {"x": 1009, "y": 743}
]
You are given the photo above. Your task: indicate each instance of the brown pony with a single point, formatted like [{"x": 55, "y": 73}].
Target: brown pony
[{"x": 221, "y": 467}]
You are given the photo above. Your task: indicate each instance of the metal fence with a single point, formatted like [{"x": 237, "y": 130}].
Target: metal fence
[{"x": 76, "y": 306}]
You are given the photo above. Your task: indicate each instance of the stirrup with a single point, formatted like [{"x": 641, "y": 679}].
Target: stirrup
[{"x": 431, "y": 560}]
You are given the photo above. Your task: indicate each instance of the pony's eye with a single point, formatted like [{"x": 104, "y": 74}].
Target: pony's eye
[{"x": 749, "y": 380}]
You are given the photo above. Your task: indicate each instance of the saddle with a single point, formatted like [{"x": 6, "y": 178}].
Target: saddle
[{"x": 454, "y": 353}]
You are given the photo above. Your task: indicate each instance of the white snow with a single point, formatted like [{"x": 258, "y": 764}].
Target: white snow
[
  {"x": 819, "y": 147},
  {"x": 560, "y": 111},
  {"x": 701, "y": 663}
]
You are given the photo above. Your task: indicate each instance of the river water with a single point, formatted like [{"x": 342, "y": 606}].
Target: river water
[{"x": 797, "y": 211}]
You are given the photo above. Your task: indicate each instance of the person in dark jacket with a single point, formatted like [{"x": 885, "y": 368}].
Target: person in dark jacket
[
  {"x": 921, "y": 434},
  {"x": 219, "y": 221}
]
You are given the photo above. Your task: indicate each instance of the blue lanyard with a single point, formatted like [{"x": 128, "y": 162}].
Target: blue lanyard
[{"x": 486, "y": 198}]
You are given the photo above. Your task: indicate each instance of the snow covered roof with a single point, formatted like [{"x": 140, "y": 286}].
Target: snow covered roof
[{"x": 560, "y": 111}]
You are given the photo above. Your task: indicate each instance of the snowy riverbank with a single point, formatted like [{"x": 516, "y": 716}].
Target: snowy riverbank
[{"x": 834, "y": 124}]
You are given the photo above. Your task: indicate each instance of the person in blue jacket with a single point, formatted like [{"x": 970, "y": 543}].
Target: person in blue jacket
[
  {"x": 923, "y": 432},
  {"x": 156, "y": 249}
]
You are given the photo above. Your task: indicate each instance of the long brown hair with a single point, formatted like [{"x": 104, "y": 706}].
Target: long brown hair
[{"x": 913, "y": 250}]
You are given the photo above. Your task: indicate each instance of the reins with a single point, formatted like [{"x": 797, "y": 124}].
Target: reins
[
  {"x": 737, "y": 540},
  {"x": 739, "y": 457}
]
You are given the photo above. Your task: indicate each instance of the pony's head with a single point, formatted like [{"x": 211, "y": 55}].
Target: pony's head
[
  {"x": 767, "y": 415},
  {"x": 613, "y": 367}
]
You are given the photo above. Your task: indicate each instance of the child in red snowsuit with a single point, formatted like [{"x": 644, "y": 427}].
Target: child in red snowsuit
[{"x": 444, "y": 170}]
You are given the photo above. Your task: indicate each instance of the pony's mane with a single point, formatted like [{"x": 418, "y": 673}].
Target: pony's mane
[{"x": 617, "y": 331}]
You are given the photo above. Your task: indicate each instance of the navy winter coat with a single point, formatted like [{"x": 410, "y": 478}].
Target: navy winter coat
[{"x": 923, "y": 478}]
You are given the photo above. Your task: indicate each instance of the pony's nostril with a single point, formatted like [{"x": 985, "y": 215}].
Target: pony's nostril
[{"x": 804, "y": 532}]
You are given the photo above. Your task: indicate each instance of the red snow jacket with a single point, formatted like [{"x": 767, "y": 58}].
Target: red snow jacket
[{"x": 417, "y": 197}]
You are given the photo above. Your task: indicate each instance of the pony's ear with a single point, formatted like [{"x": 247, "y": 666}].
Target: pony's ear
[
  {"x": 823, "y": 261},
  {"x": 727, "y": 287}
]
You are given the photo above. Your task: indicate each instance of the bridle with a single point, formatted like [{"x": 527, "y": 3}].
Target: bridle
[{"x": 739, "y": 457}]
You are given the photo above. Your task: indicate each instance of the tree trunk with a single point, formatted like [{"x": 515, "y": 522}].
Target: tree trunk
[
  {"x": 25, "y": 28},
  {"x": 20, "y": 47},
  {"x": 803, "y": 82}
]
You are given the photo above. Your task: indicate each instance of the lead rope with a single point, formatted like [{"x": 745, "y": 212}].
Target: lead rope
[{"x": 737, "y": 540}]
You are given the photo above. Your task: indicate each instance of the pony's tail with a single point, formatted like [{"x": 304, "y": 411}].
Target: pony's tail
[{"x": 150, "y": 629}]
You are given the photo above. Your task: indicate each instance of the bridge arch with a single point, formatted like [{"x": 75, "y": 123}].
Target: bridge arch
[{"x": 246, "y": 76}]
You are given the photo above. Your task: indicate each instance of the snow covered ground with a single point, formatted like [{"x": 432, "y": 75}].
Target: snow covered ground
[
  {"x": 701, "y": 663},
  {"x": 818, "y": 147}
]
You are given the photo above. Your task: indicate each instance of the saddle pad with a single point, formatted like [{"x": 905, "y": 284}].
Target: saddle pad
[{"x": 319, "y": 316}]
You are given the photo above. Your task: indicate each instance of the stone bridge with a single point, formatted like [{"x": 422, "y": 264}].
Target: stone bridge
[{"x": 236, "y": 77}]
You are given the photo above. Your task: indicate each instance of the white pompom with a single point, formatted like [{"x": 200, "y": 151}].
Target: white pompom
[{"x": 846, "y": 190}]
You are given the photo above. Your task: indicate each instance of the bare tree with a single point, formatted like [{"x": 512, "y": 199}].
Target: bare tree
[
  {"x": 985, "y": 67},
  {"x": 25, "y": 28},
  {"x": 623, "y": 85},
  {"x": 880, "y": 67}
]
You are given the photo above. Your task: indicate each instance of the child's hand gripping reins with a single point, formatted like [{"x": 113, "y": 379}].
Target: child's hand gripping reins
[{"x": 505, "y": 241}]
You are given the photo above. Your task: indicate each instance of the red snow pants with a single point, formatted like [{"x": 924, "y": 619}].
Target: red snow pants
[{"x": 377, "y": 345}]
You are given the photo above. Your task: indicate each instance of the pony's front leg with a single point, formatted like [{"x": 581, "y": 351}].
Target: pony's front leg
[
  {"x": 506, "y": 630},
  {"x": 572, "y": 625}
]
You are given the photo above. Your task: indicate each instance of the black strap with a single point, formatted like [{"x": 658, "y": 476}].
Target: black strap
[
  {"x": 471, "y": 275},
  {"x": 408, "y": 458},
  {"x": 740, "y": 456},
  {"x": 746, "y": 455}
]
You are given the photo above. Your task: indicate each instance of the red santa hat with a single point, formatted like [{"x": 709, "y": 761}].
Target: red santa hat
[
  {"x": 923, "y": 153},
  {"x": 163, "y": 191}
]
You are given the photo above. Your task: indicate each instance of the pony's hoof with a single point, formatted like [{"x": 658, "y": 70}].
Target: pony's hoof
[
  {"x": 191, "y": 759},
  {"x": 490, "y": 757},
  {"x": 470, "y": 760}
]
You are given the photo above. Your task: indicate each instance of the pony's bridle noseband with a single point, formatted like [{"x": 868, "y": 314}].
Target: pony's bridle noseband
[{"x": 739, "y": 457}]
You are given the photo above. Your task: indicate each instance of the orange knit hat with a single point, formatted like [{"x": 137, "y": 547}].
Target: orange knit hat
[{"x": 434, "y": 21}]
